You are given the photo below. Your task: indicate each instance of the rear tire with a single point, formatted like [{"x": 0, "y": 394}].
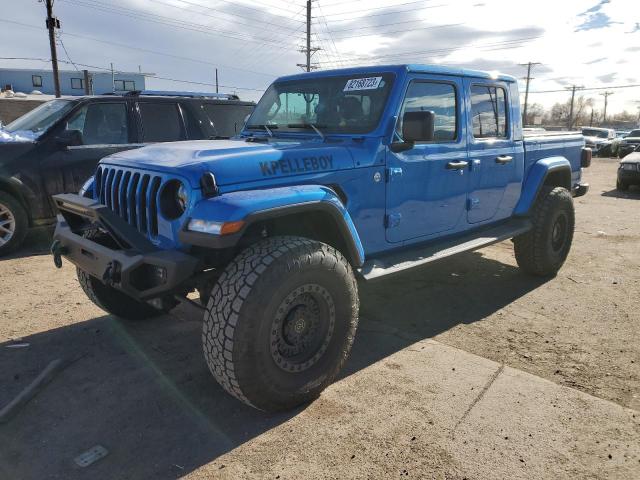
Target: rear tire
[
  {"x": 115, "y": 302},
  {"x": 280, "y": 322},
  {"x": 544, "y": 249},
  {"x": 14, "y": 223}
]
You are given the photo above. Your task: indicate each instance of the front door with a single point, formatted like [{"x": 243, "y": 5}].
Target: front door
[
  {"x": 428, "y": 184},
  {"x": 493, "y": 157},
  {"x": 105, "y": 129}
]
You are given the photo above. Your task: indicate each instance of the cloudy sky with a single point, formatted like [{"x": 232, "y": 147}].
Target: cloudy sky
[{"x": 590, "y": 43}]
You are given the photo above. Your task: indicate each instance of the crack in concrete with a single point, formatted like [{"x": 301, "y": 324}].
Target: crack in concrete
[{"x": 479, "y": 397}]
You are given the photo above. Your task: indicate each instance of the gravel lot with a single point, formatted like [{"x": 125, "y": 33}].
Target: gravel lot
[{"x": 142, "y": 389}]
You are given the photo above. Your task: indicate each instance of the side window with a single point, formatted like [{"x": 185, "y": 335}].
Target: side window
[
  {"x": 489, "y": 111},
  {"x": 101, "y": 123},
  {"x": 227, "y": 120},
  {"x": 161, "y": 122},
  {"x": 439, "y": 98},
  {"x": 77, "y": 83}
]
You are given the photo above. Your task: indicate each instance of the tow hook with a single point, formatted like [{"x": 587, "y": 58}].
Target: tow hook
[
  {"x": 111, "y": 274},
  {"x": 57, "y": 250}
]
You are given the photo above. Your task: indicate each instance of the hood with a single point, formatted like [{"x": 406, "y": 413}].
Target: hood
[
  {"x": 10, "y": 153},
  {"x": 633, "y": 157},
  {"x": 631, "y": 139},
  {"x": 236, "y": 161},
  {"x": 596, "y": 140}
]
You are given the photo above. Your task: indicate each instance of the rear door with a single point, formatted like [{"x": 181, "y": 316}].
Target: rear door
[
  {"x": 493, "y": 157},
  {"x": 106, "y": 128},
  {"x": 428, "y": 184},
  {"x": 161, "y": 121}
]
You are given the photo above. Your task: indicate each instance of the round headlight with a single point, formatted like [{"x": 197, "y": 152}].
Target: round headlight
[{"x": 174, "y": 199}]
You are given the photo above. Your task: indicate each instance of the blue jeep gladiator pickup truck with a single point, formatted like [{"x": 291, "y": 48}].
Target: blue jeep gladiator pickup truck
[{"x": 337, "y": 175}]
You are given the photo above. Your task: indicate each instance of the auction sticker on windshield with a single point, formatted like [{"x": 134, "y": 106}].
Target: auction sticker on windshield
[{"x": 370, "y": 83}]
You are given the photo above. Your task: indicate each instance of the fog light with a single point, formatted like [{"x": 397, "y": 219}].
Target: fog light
[{"x": 214, "y": 228}]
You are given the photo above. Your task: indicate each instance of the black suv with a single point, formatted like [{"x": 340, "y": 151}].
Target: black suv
[{"x": 58, "y": 145}]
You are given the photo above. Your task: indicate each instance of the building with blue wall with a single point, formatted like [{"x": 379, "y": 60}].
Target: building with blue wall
[{"x": 71, "y": 81}]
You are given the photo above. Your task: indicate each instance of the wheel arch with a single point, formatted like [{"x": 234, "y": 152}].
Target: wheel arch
[
  {"x": 20, "y": 192},
  {"x": 313, "y": 211},
  {"x": 549, "y": 172}
]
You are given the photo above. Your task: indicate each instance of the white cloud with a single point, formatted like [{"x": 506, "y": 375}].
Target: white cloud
[{"x": 585, "y": 42}]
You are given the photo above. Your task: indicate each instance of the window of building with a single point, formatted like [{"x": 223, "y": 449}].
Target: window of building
[
  {"x": 161, "y": 122},
  {"x": 439, "y": 98},
  {"x": 77, "y": 83},
  {"x": 124, "y": 85},
  {"x": 36, "y": 80},
  {"x": 489, "y": 111}
]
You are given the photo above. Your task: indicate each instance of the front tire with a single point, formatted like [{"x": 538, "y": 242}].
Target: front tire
[
  {"x": 544, "y": 249},
  {"x": 113, "y": 301},
  {"x": 13, "y": 223},
  {"x": 620, "y": 185},
  {"x": 280, "y": 322}
]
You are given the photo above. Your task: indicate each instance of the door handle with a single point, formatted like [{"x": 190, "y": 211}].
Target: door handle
[
  {"x": 457, "y": 165},
  {"x": 502, "y": 159}
]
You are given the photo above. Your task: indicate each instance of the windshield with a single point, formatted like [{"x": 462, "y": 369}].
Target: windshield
[
  {"x": 590, "y": 132},
  {"x": 345, "y": 104},
  {"x": 634, "y": 133},
  {"x": 41, "y": 118}
]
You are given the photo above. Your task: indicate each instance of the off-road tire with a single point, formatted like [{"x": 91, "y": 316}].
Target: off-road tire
[
  {"x": 113, "y": 301},
  {"x": 241, "y": 320},
  {"x": 20, "y": 222},
  {"x": 538, "y": 251},
  {"x": 623, "y": 187}
]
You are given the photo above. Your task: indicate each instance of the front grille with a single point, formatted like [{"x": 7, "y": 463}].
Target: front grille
[{"x": 132, "y": 195}]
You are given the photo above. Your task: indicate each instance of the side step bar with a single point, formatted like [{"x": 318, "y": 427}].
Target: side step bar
[{"x": 415, "y": 256}]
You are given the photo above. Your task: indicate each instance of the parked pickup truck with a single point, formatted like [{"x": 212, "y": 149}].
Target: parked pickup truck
[
  {"x": 337, "y": 175},
  {"x": 56, "y": 147}
]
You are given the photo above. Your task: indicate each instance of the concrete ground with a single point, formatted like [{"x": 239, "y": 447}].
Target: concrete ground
[{"x": 464, "y": 369}]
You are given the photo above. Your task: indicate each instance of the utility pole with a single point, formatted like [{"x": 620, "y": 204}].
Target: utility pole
[
  {"x": 606, "y": 101},
  {"x": 53, "y": 23},
  {"x": 308, "y": 50},
  {"x": 216, "y": 80},
  {"x": 573, "y": 89},
  {"x": 87, "y": 82},
  {"x": 526, "y": 93}
]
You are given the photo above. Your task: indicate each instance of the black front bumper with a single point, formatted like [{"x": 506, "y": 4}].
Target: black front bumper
[{"x": 135, "y": 266}]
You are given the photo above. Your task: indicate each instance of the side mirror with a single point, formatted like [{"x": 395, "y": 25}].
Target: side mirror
[
  {"x": 70, "y": 138},
  {"x": 418, "y": 126}
]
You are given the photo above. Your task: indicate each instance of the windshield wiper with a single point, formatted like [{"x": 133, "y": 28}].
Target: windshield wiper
[
  {"x": 309, "y": 125},
  {"x": 268, "y": 128}
]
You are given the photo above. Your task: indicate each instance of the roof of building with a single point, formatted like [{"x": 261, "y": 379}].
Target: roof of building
[{"x": 93, "y": 72}]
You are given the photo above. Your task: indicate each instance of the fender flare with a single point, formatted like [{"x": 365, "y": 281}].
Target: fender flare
[
  {"x": 258, "y": 205},
  {"x": 536, "y": 178}
]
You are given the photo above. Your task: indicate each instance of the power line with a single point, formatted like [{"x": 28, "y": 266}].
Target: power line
[
  {"x": 259, "y": 23},
  {"x": 145, "y": 50},
  {"x": 441, "y": 51},
  {"x": 159, "y": 19},
  {"x": 632, "y": 85}
]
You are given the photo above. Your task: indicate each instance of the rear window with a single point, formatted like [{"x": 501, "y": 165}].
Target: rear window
[
  {"x": 489, "y": 111},
  {"x": 161, "y": 122},
  {"x": 227, "y": 120}
]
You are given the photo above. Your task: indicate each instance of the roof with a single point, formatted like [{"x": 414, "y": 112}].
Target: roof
[{"x": 403, "y": 68}]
